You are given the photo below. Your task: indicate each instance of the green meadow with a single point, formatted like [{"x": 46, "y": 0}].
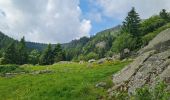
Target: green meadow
[{"x": 71, "y": 81}]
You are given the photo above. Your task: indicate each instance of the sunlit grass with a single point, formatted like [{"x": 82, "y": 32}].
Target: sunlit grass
[{"x": 68, "y": 81}]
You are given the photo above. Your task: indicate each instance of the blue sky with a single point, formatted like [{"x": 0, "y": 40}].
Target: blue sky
[
  {"x": 101, "y": 24},
  {"x": 60, "y": 21}
]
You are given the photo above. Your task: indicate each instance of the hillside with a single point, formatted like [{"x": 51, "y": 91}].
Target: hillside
[
  {"x": 84, "y": 46},
  {"x": 73, "y": 47},
  {"x": 150, "y": 67}
]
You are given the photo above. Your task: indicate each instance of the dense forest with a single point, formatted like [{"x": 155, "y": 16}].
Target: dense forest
[{"x": 133, "y": 34}]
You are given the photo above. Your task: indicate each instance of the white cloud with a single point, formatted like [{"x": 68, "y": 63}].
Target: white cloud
[
  {"x": 43, "y": 20},
  {"x": 85, "y": 28},
  {"x": 118, "y": 8}
]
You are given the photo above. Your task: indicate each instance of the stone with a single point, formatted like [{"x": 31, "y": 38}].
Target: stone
[
  {"x": 100, "y": 61},
  {"x": 126, "y": 73},
  {"x": 81, "y": 62},
  {"x": 116, "y": 57},
  {"x": 101, "y": 84},
  {"x": 158, "y": 40},
  {"x": 91, "y": 60},
  {"x": 151, "y": 66}
]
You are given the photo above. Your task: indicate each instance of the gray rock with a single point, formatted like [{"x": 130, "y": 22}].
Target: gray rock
[
  {"x": 81, "y": 62},
  {"x": 161, "y": 38},
  {"x": 116, "y": 57},
  {"x": 100, "y": 61},
  {"x": 151, "y": 66},
  {"x": 101, "y": 84},
  {"x": 91, "y": 60}
]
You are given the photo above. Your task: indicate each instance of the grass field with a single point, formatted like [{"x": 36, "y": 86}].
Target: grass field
[{"x": 67, "y": 82}]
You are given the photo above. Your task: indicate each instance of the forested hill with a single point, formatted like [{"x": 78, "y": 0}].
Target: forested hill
[
  {"x": 6, "y": 40},
  {"x": 101, "y": 42}
]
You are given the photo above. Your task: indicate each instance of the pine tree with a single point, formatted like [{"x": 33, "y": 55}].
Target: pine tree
[
  {"x": 10, "y": 54},
  {"x": 164, "y": 15},
  {"x": 47, "y": 58},
  {"x": 22, "y": 52},
  {"x": 59, "y": 54},
  {"x": 132, "y": 23}
]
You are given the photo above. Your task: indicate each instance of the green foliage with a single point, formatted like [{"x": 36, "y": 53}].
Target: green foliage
[
  {"x": 146, "y": 38},
  {"x": 47, "y": 58},
  {"x": 2, "y": 61},
  {"x": 132, "y": 23},
  {"x": 123, "y": 41},
  {"x": 159, "y": 92},
  {"x": 92, "y": 55},
  {"x": 9, "y": 68},
  {"x": 22, "y": 56},
  {"x": 109, "y": 54},
  {"x": 10, "y": 54},
  {"x": 143, "y": 94},
  {"x": 58, "y": 53},
  {"x": 151, "y": 24},
  {"x": 164, "y": 15},
  {"x": 34, "y": 57}
]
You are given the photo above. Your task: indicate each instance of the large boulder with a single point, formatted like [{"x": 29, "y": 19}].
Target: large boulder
[{"x": 151, "y": 66}]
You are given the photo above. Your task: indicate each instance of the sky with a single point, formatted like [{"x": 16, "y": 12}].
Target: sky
[{"x": 60, "y": 21}]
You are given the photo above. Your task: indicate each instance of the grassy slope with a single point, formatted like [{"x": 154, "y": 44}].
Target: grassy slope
[{"x": 69, "y": 81}]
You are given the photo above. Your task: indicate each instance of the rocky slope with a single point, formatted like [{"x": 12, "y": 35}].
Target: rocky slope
[{"x": 152, "y": 65}]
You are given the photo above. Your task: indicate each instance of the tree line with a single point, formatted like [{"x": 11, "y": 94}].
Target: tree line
[{"x": 18, "y": 53}]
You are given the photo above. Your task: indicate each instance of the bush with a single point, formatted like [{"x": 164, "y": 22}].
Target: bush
[
  {"x": 92, "y": 55},
  {"x": 2, "y": 61},
  {"x": 159, "y": 92},
  {"x": 148, "y": 37},
  {"x": 151, "y": 24},
  {"x": 123, "y": 41},
  {"x": 10, "y": 68}
]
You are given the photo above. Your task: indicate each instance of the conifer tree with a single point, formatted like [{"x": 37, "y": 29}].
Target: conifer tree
[
  {"x": 59, "y": 54},
  {"x": 47, "y": 58},
  {"x": 164, "y": 15},
  {"x": 22, "y": 52},
  {"x": 132, "y": 23},
  {"x": 10, "y": 54}
]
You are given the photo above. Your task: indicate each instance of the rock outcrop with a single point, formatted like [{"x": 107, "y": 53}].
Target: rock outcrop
[{"x": 152, "y": 65}]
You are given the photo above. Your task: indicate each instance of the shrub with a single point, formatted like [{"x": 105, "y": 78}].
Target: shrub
[
  {"x": 10, "y": 68},
  {"x": 159, "y": 92},
  {"x": 151, "y": 24},
  {"x": 92, "y": 55},
  {"x": 146, "y": 38},
  {"x": 123, "y": 41}
]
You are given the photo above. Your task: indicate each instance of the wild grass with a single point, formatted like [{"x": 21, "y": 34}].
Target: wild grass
[{"x": 67, "y": 82}]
